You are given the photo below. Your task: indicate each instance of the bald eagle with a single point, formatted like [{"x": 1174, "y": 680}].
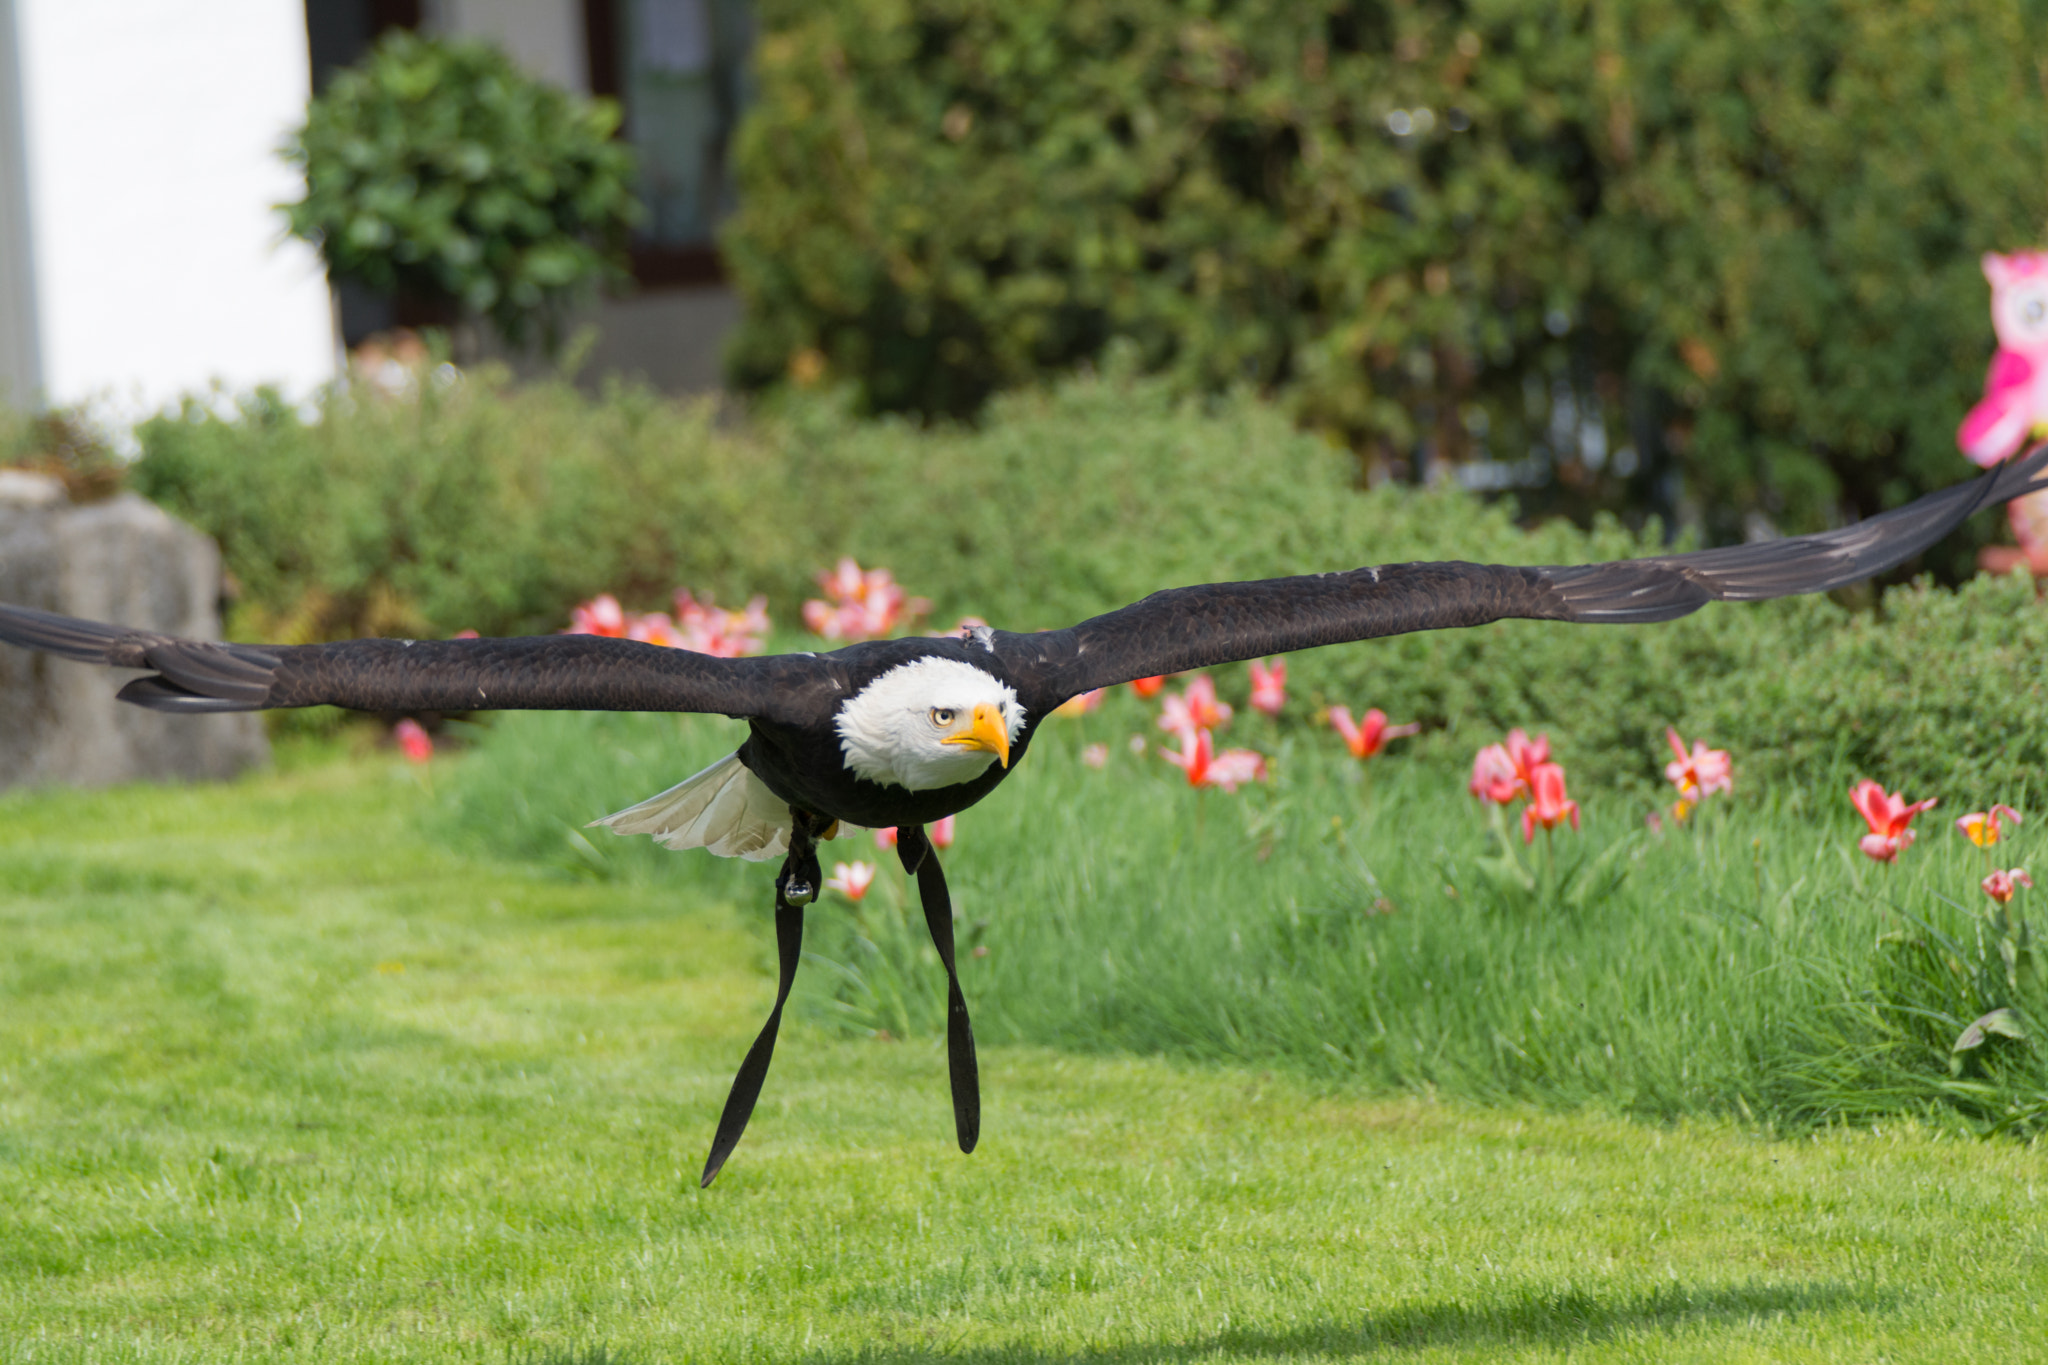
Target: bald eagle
[{"x": 905, "y": 732}]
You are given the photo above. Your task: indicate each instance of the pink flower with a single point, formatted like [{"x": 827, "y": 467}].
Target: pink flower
[
  {"x": 1148, "y": 688},
  {"x": 1096, "y": 755},
  {"x": 706, "y": 628},
  {"x": 1889, "y": 818},
  {"x": 850, "y": 879},
  {"x": 2001, "y": 886},
  {"x": 1547, "y": 803},
  {"x": 866, "y": 604},
  {"x": 1269, "y": 686},
  {"x": 1986, "y": 828},
  {"x": 1081, "y": 705},
  {"x": 465, "y": 635},
  {"x": 940, "y": 832},
  {"x": 413, "y": 739},
  {"x": 1369, "y": 738},
  {"x": 1493, "y": 776},
  {"x": 1699, "y": 773},
  {"x": 1207, "y": 768},
  {"x": 1527, "y": 754},
  {"x": 601, "y": 615},
  {"x": 821, "y": 619},
  {"x": 653, "y": 629},
  {"x": 1197, "y": 709}
]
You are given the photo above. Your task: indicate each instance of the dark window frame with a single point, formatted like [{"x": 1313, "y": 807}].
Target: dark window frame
[{"x": 654, "y": 267}]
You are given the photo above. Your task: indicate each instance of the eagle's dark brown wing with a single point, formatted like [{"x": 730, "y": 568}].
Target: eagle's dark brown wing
[
  {"x": 1219, "y": 623},
  {"x": 542, "y": 672}
]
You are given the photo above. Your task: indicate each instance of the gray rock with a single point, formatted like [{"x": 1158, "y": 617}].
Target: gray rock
[{"x": 127, "y": 561}]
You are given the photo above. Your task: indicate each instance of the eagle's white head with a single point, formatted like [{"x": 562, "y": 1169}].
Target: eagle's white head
[{"x": 929, "y": 723}]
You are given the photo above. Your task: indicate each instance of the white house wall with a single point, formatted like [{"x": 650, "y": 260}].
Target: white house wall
[
  {"x": 159, "y": 261},
  {"x": 20, "y": 365}
]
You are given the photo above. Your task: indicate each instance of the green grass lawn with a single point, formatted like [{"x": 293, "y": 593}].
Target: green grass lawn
[{"x": 285, "y": 1076}]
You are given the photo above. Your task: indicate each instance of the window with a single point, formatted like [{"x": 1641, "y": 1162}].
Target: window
[{"x": 679, "y": 71}]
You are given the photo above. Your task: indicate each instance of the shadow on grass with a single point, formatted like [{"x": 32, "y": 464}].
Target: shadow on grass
[{"x": 1562, "y": 1320}]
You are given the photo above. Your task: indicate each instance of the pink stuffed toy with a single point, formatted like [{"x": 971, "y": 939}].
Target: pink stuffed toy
[{"x": 2015, "y": 407}]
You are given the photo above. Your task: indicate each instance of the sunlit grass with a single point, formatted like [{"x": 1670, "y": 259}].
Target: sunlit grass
[
  {"x": 1370, "y": 924},
  {"x": 285, "y": 1077}
]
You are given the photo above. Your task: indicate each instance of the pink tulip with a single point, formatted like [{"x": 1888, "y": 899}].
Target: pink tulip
[
  {"x": 1889, "y": 818},
  {"x": 601, "y": 615},
  {"x": 1527, "y": 754},
  {"x": 866, "y": 604},
  {"x": 1096, "y": 755},
  {"x": 1493, "y": 776},
  {"x": 940, "y": 832},
  {"x": 1207, "y": 768},
  {"x": 1547, "y": 802},
  {"x": 653, "y": 629},
  {"x": 1700, "y": 772},
  {"x": 1197, "y": 709},
  {"x": 820, "y": 619},
  {"x": 2001, "y": 886},
  {"x": 1369, "y": 738},
  {"x": 413, "y": 739},
  {"x": 706, "y": 628},
  {"x": 1986, "y": 828},
  {"x": 851, "y": 880},
  {"x": 1269, "y": 686}
]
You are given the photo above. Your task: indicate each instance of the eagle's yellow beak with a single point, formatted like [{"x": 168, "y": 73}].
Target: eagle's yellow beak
[{"x": 987, "y": 733}]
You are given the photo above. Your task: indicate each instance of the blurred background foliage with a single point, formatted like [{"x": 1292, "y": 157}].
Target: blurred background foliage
[
  {"x": 440, "y": 172},
  {"x": 1714, "y": 260},
  {"x": 479, "y": 506}
]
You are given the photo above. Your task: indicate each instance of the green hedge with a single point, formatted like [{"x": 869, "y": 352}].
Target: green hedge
[
  {"x": 494, "y": 510},
  {"x": 1747, "y": 230},
  {"x": 442, "y": 172}
]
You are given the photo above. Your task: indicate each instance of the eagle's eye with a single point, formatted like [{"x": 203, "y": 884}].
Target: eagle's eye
[{"x": 942, "y": 716}]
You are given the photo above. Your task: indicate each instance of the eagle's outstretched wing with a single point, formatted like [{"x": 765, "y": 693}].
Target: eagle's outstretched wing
[
  {"x": 1218, "y": 623},
  {"x": 542, "y": 672}
]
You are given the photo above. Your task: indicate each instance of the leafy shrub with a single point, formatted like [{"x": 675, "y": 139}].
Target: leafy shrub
[
  {"x": 474, "y": 507},
  {"x": 441, "y": 170},
  {"x": 497, "y": 510},
  {"x": 1742, "y": 235}
]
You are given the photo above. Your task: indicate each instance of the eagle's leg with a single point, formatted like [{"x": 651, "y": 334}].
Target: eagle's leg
[
  {"x": 920, "y": 859},
  {"x": 795, "y": 887}
]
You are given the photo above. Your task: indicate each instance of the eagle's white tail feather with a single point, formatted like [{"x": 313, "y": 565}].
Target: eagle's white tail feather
[{"x": 724, "y": 809}]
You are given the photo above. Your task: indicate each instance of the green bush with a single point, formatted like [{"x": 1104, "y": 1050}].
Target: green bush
[
  {"x": 1743, "y": 234},
  {"x": 497, "y": 510},
  {"x": 474, "y": 507},
  {"x": 442, "y": 171}
]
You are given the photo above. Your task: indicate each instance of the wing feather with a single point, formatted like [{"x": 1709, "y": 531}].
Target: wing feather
[
  {"x": 1218, "y": 623},
  {"x": 545, "y": 672}
]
